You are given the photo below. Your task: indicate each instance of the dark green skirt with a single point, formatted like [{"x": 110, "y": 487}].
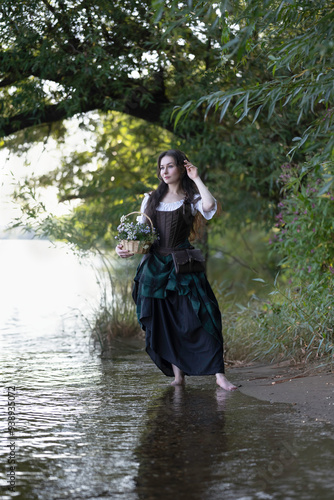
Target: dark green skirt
[{"x": 181, "y": 317}]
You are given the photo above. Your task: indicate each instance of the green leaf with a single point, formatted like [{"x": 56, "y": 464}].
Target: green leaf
[
  {"x": 224, "y": 108},
  {"x": 158, "y": 6},
  {"x": 257, "y": 113},
  {"x": 326, "y": 187},
  {"x": 276, "y": 278}
]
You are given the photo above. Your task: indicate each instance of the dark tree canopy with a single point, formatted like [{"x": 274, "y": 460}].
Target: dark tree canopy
[
  {"x": 60, "y": 57},
  {"x": 144, "y": 59}
]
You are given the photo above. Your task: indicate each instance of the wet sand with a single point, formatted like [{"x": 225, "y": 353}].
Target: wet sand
[{"x": 308, "y": 388}]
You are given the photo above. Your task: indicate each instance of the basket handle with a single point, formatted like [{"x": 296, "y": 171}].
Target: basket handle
[{"x": 141, "y": 213}]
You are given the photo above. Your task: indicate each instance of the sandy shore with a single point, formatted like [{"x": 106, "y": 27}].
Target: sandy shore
[{"x": 309, "y": 389}]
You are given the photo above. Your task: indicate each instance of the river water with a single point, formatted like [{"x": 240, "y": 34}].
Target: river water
[{"x": 92, "y": 428}]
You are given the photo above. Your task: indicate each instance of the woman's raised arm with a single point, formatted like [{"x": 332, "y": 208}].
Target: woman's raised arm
[{"x": 208, "y": 201}]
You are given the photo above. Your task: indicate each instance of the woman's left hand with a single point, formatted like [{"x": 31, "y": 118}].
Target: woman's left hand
[{"x": 192, "y": 171}]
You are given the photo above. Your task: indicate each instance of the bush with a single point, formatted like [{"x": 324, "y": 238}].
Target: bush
[
  {"x": 305, "y": 224},
  {"x": 295, "y": 324}
]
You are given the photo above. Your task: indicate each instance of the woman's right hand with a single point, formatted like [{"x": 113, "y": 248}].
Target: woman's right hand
[{"x": 123, "y": 253}]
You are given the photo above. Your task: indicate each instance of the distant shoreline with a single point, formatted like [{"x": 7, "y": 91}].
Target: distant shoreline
[{"x": 18, "y": 234}]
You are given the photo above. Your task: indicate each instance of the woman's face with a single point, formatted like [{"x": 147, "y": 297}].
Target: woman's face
[{"x": 169, "y": 172}]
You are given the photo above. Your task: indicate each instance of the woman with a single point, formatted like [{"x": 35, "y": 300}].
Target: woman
[{"x": 178, "y": 311}]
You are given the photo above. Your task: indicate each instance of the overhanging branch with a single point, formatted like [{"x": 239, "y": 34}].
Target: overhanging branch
[{"x": 150, "y": 112}]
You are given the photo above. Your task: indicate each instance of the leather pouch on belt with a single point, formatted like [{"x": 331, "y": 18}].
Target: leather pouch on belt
[{"x": 188, "y": 260}]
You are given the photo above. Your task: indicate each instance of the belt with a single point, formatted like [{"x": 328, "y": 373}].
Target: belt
[{"x": 167, "y": 251}]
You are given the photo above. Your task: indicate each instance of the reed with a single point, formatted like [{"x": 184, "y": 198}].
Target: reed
[{"x": 115, "y": 314}]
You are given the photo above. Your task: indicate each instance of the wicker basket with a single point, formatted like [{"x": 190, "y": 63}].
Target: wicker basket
[{"x": 135, "y": 246}]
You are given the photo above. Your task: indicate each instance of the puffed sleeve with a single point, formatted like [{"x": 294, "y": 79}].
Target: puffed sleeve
[
  {"x": 197, "y": 206},
  {"x": 142, "y": 218}
]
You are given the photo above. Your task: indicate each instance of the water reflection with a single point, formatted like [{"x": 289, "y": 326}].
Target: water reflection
[
  {"x": 183, "y": 439},
  {"x": 203, "y": 443}
]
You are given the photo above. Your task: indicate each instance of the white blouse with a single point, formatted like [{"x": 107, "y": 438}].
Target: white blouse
[{"x": 197, "y": 206}]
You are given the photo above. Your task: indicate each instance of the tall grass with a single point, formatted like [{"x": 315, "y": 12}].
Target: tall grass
[
  {"x": 115, "y": 315},
  {"x": 293, "y": 323},
  {"x": 288, "y": 322}
]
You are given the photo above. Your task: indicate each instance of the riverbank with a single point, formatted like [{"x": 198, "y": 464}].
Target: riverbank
[{"x": 310, "y": 388}]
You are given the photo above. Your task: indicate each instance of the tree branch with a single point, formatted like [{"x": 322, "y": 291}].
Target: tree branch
[
  {"x": 133, "y": 106},
  {"x": 236, "y": 259},
  {"x": 62, "y": 19},
  {"x": 32, "y": 117},
  {"x": 8, "y": 80}
]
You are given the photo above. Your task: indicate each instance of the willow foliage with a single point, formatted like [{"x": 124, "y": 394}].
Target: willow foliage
[{"x": 297, "y": 38}]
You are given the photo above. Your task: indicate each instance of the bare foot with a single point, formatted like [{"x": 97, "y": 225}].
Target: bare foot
[
  {"x": 179, "y": 376},
  {"x": 178, "y": 382},
  {"x": 224, "y": 383}
]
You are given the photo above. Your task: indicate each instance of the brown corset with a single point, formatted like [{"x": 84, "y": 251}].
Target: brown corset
[{"x": 174, "y": 227}]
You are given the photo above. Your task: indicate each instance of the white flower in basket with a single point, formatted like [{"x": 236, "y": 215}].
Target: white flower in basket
[{"x": 136, "y": 237}]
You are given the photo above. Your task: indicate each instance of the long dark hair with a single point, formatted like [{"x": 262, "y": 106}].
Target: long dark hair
[{"x": 188, "y": 186}]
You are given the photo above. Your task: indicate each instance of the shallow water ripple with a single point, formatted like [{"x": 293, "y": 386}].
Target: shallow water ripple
[{"x": 92, "y": 428}]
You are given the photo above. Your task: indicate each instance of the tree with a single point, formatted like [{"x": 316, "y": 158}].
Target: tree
[
  {"x": 105, "y": 179},
  {"x": 297, "y": 39},
  {"x": 60, "y": 59}
]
